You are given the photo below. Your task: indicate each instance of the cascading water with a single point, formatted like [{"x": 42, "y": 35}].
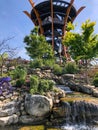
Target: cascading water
[
  {"x": 78, "y": 127},
  {"x": 80, "y": 112},
  {"x": 78, "y": 115}
]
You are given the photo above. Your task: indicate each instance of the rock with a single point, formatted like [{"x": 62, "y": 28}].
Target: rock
[
  {"x": 68, "y": 76},
  {"x": 23, "y": 113},
  {"x": 9, "y": 105},
  {"x": 27, "y": 119},
  {"x": 80, "y": 88},
  {"x": 95, "y": 93},
  {"x": 15, "y": 94},
  {"x": 2, "y": 98},
  {"x": 8, "y": 109},
  {"x": 7, "y": 112},
  {"x": 7, "y": 100},
  {"x": 8, "y": 120},
  {"x": 8, "y": 96},
  {"x": 38, "y": 105}
]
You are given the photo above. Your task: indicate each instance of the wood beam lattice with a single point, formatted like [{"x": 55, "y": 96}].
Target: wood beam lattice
[
  {"x": 29, "y": 15},
  {"x": 78, "y": 12},
  {"x": 66, "y": 16},
  {"x": 65, "y": 49},
  {"x": 37, "y": 16},
  {"x": 52, "y": 24}
]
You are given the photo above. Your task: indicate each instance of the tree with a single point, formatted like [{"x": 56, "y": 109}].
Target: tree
[
  {"x": 84, "y": 45},
  {"x": 5, "y": 52},
  {"x": 36, "y": 45}
]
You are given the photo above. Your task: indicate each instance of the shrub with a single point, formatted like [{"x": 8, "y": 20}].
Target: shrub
[
  {"x": 96, "y": 75},
  {"x": 70, "y": 67},
  {"x": 95, "y": 81},
  {"x": 51, "y": 84},
  {"x": 20, "y": 82},
  {"x": 34, "y": 83},
  {"x": 36, "y": 63},
  {"x": 45, "y": 85},
  {"x": 18, "y": 73},
  {"x": 48, "y": 63},
  {"x": 57, "y": 69}
]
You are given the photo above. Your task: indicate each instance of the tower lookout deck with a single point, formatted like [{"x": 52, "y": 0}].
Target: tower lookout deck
[{"x": 52, "y": 16}]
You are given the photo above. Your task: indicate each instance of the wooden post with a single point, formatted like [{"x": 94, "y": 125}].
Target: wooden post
[
  {"x": 79, "y": 10},
  {"x": 38, "y": 16},
  {"x": 64, "y": 29},
  {"x": 52, "y": 24}
]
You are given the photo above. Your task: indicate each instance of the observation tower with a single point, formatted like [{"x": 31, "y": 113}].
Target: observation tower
[{"x": 52, "y": 16}]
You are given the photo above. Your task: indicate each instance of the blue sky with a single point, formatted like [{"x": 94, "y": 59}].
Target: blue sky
[{"x": 13, "y": 22}]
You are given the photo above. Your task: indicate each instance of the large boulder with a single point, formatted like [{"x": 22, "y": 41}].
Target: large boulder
[{"x": 38, "y": 105}]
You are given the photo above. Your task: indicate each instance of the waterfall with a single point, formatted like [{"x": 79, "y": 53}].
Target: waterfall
[{"x": 80, "y": 112}]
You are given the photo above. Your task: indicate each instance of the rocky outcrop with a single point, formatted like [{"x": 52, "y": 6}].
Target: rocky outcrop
[{"x": 38, "y": 105}]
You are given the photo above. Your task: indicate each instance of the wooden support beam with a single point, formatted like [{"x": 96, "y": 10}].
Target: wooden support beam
[
  {"x": 65, "y": 49},
  {"x": 66, "y": 16},
  {"x": 37, "y": 16},
  {"x": 29, "y": 15},
  {"x": 52, "y": 24},
  {"x": 78, "y": 12}
]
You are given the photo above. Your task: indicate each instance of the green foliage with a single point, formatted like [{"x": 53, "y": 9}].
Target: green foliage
[
  {"x": 57, "y": 69},
  {"x": 49, "y": 62},
  {"x": 51, "y": 84},
  {"x": 40, "y": 85},
  {"x": 18, "y": 73},
  {"x": 45, "y": 85},
  {"x": 36, "y": 63},
  {"x": 70, "y": 26},
  {"x": 34, "y": 83},
  {"x": 70, "y": 67},
  {"x": 95, "y": 80},
  {"x": 20, "y": 82},
  {"x": 83, "y": 45},
  {"x": 36, "y": 46},
  {"x": 96, "y": 75}
]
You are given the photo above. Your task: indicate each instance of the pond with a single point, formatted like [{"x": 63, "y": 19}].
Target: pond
[{"x": 42, "y": 127}]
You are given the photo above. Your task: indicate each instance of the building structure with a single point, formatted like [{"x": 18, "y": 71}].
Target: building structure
[{"x": 52, "y": 16}]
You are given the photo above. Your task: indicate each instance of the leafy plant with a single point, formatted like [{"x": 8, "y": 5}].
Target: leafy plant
[
  {"x": 36, "y": 63},
  {"x": 49, "y": 62},
  {"x": 40, "y": 85},
  {"x": 18, "y": 73},
  {"x": 70, "y": 67},
  {"x": 95, "y": 81},
  {"x": 37, "y": 46},
  {"x": 43, "y": 86},
  {"x": 34, "y": 83},
  {"x": 57, "y": 69},
  {"x": 20, "y": 82}
]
